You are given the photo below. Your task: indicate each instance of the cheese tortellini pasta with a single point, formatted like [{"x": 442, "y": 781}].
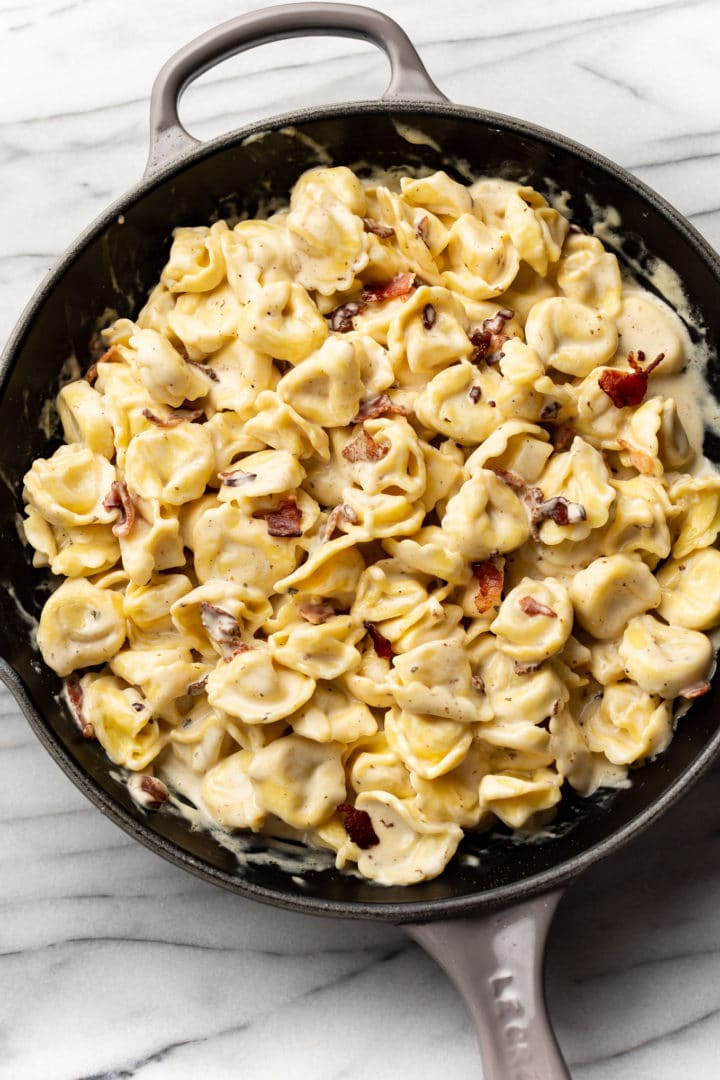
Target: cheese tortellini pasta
[{"x": 380, "y": 522}]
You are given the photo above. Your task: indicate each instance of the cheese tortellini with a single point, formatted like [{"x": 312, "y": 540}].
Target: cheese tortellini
[{"x": 375, "y": 525}]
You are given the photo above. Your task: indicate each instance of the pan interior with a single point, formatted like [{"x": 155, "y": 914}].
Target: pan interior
[{"x": 110, "y": 272}]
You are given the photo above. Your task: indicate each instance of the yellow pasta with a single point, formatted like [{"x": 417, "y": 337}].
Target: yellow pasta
[{"x": 373, "y": 525}]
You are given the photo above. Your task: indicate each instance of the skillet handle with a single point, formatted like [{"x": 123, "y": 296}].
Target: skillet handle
[
  {"x": 408, "y": 77},
  {"x": 496, "y": 960}
]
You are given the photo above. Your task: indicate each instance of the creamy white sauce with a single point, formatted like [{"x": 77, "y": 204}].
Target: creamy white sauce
[{"x": 697, "y": 409}]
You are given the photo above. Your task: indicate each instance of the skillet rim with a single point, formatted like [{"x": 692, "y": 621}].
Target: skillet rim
[{"x": 397, "y": 912}]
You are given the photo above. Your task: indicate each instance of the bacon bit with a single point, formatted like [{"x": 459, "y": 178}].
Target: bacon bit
[
  {"x": 562, "y": 436},
  {"x": 197, "y": 687},
  {"x": 401, "y": 285},
  {"x": 341, "y": 319},
  {"x": 147, "y": 791},
  {"x": 640, "y": 459},
  {"x": 177, "y": 416},
  {"x": 628, "y": 388},
  {"x": 110, "y": 356},
  {"x": 558, "y": 509},
  {"x": 695, "y": 691},
  {"x": 474, "y": 393},
  {"x": 91, "y": 374},
  {"x": 489, "y": 340},
  {"x": 118, "y": 498},
  {"x": 223, "y": 628},
  {"x": 478, "y": 684},
  {"x": 381, "y": 644},
  {"x": 381, "y": 405},
  {"x": 358, "y": 826},
  {"x": 211, "y": 375},
  {"x": 429, "y": 316},
  {"x": 285, "y": 520},
  {"x": 490, "y": 582},
  {"x": 422, "y": 231},
  {"x": 316, "y": 611},
  {"x": 364, "y": 448},
  {"x": 533, "y": 607},
  {"x": 236, "y": 477},
  {"x": 377, "y": 229},
  {"x": 549, "y": 412},
  {"x": 343, "y": 512},
  {"x": 74, "y": 696},
  {"x": 561, "y": 511},
  {"x": 527, "y": 668},
  {"x": 555, "y": 707},
  {"x": 512, "y": 479}
]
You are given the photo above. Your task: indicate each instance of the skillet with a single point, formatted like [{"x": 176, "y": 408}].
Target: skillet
[{"x": 486, "y": 918}]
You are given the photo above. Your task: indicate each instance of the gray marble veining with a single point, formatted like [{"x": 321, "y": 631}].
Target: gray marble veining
[{"x": 116, "y": 965}]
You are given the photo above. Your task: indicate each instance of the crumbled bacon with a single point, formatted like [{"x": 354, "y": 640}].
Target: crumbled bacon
[
  {"x": 364, "y": 448},
  {"x": 561, "y": 511},
  {"x": 110, "y": 356},
  {"x": 381, "y": 644},
  {"x": 177, "y": 416},
  {"x": 343, "y": 512},
  {"x": 358, "y": 826},
  {"x": 478, "y": 683},
  {"x": 640, "y": 459},
  {"x": 147, "y": 791},
  {"x": 526, "y": 669},
  {"x": 341, "y": 319},
  {"x": 401, "y": 285},
  {"x": 74, "y": 695},
  {"x": 628, "y": 388},
  {"x": 203, "y": 369},
  {"x": 197, "y": 687},
  {"x": 695, "y": 691},
  {"x": 490, "y": 582},
  {"x": 422, "y": 230},
  {"x": 382, "y": 405},
  {"x": 533, "y": 607},
  {"x": 377, "y": 228},
  {"x": 549, "y": 411},
  {"x": 316, "y": 611},
  {"x": 474, "y": 393},
  {"x": 429, "y": 316},
  {"x": 562, "y": 436},
  {"x": 223, "y": 628},
  {"x": 236, "y": 477},
  {"x": 118, "y": 498},
  {"x": 512, "y": 479},
  {"x": 489, "y": 340},
  {"x": 91, "y": 374},
  {"x": 284, "y": 520},
  {"x": 558, "y": 509}
]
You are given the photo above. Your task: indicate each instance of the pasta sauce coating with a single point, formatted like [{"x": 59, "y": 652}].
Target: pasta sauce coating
[{"x": 374, "y": 526}]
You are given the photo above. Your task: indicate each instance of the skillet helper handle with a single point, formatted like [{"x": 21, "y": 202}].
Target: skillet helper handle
[
  {"x": 496, "y": 962},
  {"x": 408, "y": 77}
]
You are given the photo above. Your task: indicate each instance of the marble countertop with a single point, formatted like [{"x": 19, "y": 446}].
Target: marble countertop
[{"x": 115, "y": 964}]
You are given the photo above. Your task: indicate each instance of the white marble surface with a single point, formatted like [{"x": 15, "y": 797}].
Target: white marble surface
[{"x": 114, "y": 964}]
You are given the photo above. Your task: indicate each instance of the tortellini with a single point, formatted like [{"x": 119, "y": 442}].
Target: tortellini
[
  {"x": 611, "y": 591},
  {"x": 375, "y": 526},
  {"x": 81, "y": 625},
  {"x": 534, "y": 621}
]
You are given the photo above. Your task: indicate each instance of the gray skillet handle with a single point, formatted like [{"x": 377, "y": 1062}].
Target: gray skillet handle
[
  {"x": 496, "y": 962},
  {"x": 408, "y": 77}
]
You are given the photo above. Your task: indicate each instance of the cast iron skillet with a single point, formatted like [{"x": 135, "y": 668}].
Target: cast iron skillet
[{"x": 485, "y": 919}]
